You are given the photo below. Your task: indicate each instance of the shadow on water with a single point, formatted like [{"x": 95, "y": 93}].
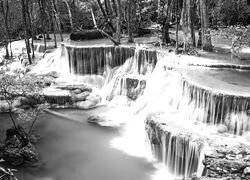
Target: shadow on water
[{"x": 77, "y": 151}]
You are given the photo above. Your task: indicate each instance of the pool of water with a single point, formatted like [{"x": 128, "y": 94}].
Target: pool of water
[
  {"x": 225, "y": 81},
  {"x": 72, "y": 150}
]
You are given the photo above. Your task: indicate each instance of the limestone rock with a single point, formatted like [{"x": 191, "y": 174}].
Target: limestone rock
[
  {"x": 232, "y": 162},
  {"x": 85, "y": 105},
  {"x": 90, "y": 102},
  {"x": 77, "y": 91},
  {"x": 95, "y": 119},
  {"x": 81, "y": 96},
  {"x": 17, "y": 148},
  {"x": 135, "y": 87},
  {"x": 247, "y": 171},
  {"x": 4, "y": 106},
  {"x": 72, "y": 87},
  {"x": 53, "y": 74},
  {"x": 222, "y": 129}
]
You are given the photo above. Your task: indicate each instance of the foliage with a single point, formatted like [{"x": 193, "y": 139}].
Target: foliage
[
  {"x": 6, "y": 173},
  {"x": 25, "y": 90},
  {"x": 237, "y": 35},
  {"x": 229, "y": 12}
]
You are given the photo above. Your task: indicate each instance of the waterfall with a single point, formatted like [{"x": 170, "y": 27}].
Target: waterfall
[
  {"x": 179, "y": 114},
  {"x": 216, "y": 106},
  {"x": 132, "y": 72},
  {"x": 93, "y": 60},
  {"x": 179, "y": 151},
  {"x": 55, "y": 61},
  {"x": 120, "y": 65}
]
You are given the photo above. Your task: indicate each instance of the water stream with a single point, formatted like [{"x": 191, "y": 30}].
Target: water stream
[
  {"x": 78, "y": 150},
  {"x": 142, "y": 89}
]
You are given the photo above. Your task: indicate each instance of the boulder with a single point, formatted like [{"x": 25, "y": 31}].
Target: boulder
[
  {"x": 4, "y": 106},
  {"x": 80, "y": 97},
  {"x": 95, "y": 119},
  {"x": 90, "y": 102},
  {"x": 72, "y": 87},
  {"x": 77, "y": 91},
  {"x": 53, "y": 74},
  {"x": 135, "y": 87},
  {"x": 17, "y": 148},
  {"x": 247, "y": 171},
  {"x": 47, "y": 81},
  {"x": 222, "y": 129},
  {"x": 85, "y": 105}
]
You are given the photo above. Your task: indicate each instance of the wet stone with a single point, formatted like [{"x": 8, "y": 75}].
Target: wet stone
[
  {"x": 247, "y": 171},
  {"x": 135, "y": 87},
  {"x": 77, "y": 91},
  {"x": 72, "y": 87},
  {"x": 231, "y": 162}
]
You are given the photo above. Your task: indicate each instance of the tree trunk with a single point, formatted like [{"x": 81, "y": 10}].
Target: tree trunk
[
  {"x": 192, "y": 17},
  {"x": 130, "y": 21},
  {"x": 54, "y": 24},
  {"x": 114, "y": 7},
  {"x": 24, "y": 7},
  {"x": 106, "y": 17},
  {"x": 5, "y": 12},
  {"x": 188, "y": 25},
  {"x": 57, "y": 16},
  {"x": 100, "y": 6},
  {"x": 206, "y": 39},
  {"x": 164, "y": 16},
  {"x": 70, "y": 15},
  {"x": 42, "y": 11},
  {"x": 177, "y": 27},
  {"x": 6, "y": 23},
  {"x": 119, "y": 21},
  {"x": 165, "y": 33},
  {"x": 7, "y": 54},
  {"x": 107, "y": 7},
  {"x": 100, "y": 30},
  {"x": 31, "y": 29}
]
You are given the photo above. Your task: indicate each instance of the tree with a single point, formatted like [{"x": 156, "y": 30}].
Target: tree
[
  {"x": 119, "y": 21},
  {"x": 27, "y": 41},
  {"x": 31, "y": 29},
  {"x": 204, "y": 21},
  {"x": 106, "y": 16},
  {"x": 188, "y": 24},
  {"x": 18, "y": 147},
  {"x": 130, "y": 14},
  {"x": 5, "y": 11},
  {"x": 177, "y": 27},
  {"x": 41, "y": 4},
  {"x": 69, "y": 14},
  {"x": 164, "y": 10},
  {"x": 114, "y": 7},
  {"x": 57, "y": 17},
  {"x": 12, "y": 88}
]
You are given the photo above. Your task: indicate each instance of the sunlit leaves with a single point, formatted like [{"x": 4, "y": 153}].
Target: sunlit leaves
[
  {"x": 238, "y": 35},
  {"x": 29, "y": 89}
]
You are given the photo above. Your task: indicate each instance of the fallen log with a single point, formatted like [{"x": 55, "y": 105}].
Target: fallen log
[{"x": 89, "y": 35}]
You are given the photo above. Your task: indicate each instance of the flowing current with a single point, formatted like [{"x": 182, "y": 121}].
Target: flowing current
[{"x": 164, "y": 114}]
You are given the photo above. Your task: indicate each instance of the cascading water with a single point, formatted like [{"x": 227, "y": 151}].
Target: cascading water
[
  {"x": 127, "y": 68},
  {"x": 138, "y": 74},
  {"x": 123, "y": 68}
]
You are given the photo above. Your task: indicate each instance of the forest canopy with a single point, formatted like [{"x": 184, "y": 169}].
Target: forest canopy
[{"x": 25, "y": 19}]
